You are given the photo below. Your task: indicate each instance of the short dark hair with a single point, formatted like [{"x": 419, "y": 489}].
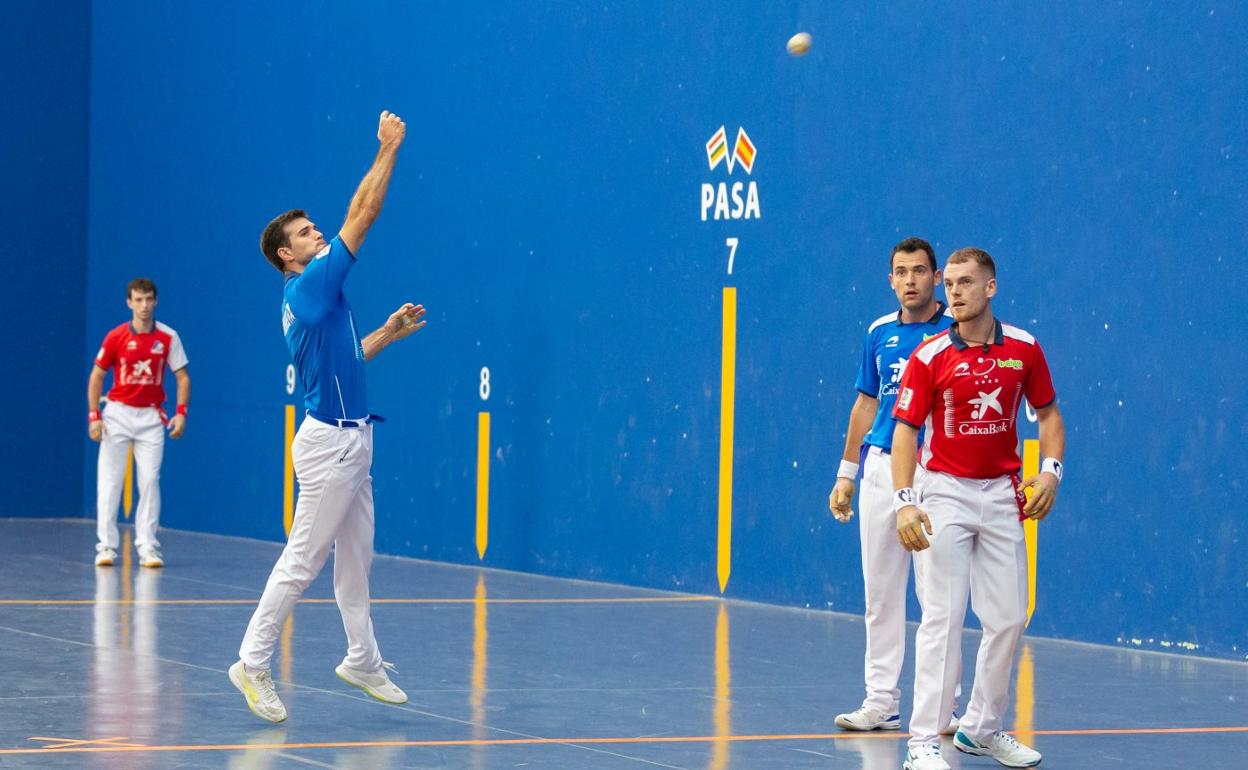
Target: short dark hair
[
  {"x": 978, "y": 256},
  {"x": 141, "y": 285},
  {"x": 912, "y": 244},
  {"x": 274, "y": 237}
]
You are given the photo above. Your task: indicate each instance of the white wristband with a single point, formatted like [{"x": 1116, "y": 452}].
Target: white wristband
[
  {"x": 902, "y": 498},
  {"x": 847, "y": 470},
  {"x": 1052, "y": 466}
]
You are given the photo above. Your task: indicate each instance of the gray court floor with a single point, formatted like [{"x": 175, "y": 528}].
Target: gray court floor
[{"x": 124, "y": 667}]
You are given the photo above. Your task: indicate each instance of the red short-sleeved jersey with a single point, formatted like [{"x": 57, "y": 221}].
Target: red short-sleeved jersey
[
  {"x": 138, "y": 362},
  {"x": 969, "y": 399}
]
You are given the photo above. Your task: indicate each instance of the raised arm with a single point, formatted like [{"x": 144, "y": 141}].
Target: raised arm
[
  {"x": 366, "y": 203},
  {"x": 861, "y": 416}
]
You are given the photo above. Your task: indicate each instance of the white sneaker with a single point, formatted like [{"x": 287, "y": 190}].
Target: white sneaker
[
  {"x": 105, "y": 556},
  {"x": 925, "y": 757},
  {"x": 150, "y": 557},
  {"x": 866, "y": 718},
  {"x": 953, "y": 725},
  {"x": 376, "y": 684},
  {"x": 258, "y": 689},
  {"x": 1001, "y": 747}
]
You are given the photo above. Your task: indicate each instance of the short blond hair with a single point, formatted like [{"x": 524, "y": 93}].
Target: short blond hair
[{"x": 978, "y": 256}]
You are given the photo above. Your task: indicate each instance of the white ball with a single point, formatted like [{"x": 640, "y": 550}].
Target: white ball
[{"x": 799, "y": 44}]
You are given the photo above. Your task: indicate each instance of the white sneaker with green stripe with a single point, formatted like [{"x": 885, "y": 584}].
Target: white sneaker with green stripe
[
  {"x": 257, "y": 688},
  {"x": 375, "y": 683},
  {"x": 1001, "y": 746}
]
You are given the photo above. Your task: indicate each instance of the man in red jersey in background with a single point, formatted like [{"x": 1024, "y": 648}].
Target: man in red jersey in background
[{"x": 137, "y": 352}]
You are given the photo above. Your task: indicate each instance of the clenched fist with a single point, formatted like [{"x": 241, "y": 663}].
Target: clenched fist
[{"x": 390, "y": 130}]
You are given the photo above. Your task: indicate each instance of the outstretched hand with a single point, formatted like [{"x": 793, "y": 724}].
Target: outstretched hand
[{"x": 405, "y": 320}]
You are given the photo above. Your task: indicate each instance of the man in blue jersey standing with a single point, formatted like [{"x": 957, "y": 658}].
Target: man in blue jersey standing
[
  {"x": 333, "y": 451},
  {"x": 890, "y": 340}
]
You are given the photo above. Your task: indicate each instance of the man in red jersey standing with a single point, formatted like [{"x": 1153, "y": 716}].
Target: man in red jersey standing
[
  {"x": 138, "y": 352},
  {"x": 961, "y": 511}
]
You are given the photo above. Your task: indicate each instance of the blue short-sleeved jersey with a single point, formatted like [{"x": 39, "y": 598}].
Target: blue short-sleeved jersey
[
  {"x": 888, "y": 346},
  {"x": 320, "y": 332}
]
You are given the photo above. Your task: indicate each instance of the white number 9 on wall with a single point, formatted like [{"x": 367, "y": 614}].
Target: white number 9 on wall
[{"x": 290, "y": 379}]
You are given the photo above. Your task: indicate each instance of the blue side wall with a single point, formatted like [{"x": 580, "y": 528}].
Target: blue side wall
[
  {"x": 546, "y": 208},
  {"x": 44, "y": 87}
]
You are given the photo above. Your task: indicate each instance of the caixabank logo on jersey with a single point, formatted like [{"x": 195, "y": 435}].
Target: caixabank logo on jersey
[{"x": 736, "y": 199}]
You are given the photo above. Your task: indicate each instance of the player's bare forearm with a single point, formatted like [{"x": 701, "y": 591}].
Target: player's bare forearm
[
  {"x": 913, "y": 524},
  {"x": 1052, "y": 432},
  {"x": 376, "y": 342},
  {"x": 905, "y": 455},
  {"x": 95, "y": 388},
  {"x": 402, "y": 322},
  {"x": 1043, "y": 486},
  {"x": 183, "y": 378},
  {"x": 860, "y": 419},
  {"x": 366, "y": 203}
]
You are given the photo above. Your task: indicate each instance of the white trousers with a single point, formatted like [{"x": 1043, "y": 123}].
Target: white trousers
[
  {"x": 977, "y": 548},
  {"x": 885, "y": 572},
  {"x": 125, "y": 427},
  {"x": 335, "y": 508}
]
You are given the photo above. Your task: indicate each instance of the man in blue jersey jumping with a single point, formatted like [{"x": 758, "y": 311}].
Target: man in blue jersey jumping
[
  {"x": 333, "y": 451},
  {"x": 885, "y": 563}
]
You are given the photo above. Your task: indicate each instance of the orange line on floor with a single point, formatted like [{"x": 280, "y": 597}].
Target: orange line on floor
[
  {"x": 590, "y": 741},
  {"x": 570, "y": 600}
]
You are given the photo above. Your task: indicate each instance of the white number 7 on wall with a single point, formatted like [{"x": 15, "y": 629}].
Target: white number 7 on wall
[{"x": 732, "y": 252}]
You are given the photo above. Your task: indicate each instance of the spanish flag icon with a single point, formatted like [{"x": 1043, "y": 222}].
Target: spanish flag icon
[{"x": 744, "y": 151}]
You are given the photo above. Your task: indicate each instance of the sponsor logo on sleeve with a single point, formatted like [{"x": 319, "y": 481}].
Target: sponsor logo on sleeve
[{"x": 903, "y": 401}]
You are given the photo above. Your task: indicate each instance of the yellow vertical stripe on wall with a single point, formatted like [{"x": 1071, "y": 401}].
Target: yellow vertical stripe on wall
[
  {"x": 483, "y": 483},
  {"x": 728, "y": 389},
  {"x": 127, "y": 489},
  {"x": 288, "y": 474},
  {"x": 1031, "y": 527}
]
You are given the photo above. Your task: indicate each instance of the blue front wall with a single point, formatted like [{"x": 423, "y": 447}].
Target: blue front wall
[
  {"x": 546, "y": 209},
  {"x": 44, "y": 87}
]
